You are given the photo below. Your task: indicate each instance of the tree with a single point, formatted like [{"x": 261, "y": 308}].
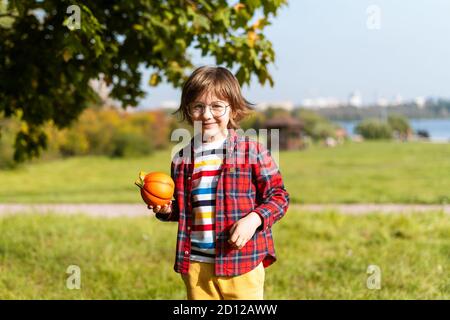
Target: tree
[
  {"x": 315, "y": 125},
  {"x": 47, "y": 59},
  {"x": 400, "y": 125},
  {"x": 374, "y": 129},
  {"x": 273, "y": 111}
]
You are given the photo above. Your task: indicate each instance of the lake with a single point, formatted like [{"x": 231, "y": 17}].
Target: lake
[{"x": 438, "y": 129}]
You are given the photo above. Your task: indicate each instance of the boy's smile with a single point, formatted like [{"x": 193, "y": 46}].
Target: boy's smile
[{"x": 209, "y": 125}]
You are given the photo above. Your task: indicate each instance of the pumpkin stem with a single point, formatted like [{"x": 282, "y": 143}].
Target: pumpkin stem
[{"x": 140, "y": 181}]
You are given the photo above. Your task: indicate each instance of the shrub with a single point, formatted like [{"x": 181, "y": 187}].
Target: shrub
[
  {"x": 399, "y": 125},
  {"x": 374, "y": 129},
  {"x": 74, "y": 144},
  {"x": 129, "y": 144},
  {"x": 314, "y": 125},
  {"x": 6, "y": 151},
  {"x": 8, "y": 130},
  {"x": 99, "y": 127},
  {"x": 253, "y": 121}
]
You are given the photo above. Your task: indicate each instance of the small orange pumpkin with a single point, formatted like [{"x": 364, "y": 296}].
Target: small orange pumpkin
[{"x": 156, "y": 188}]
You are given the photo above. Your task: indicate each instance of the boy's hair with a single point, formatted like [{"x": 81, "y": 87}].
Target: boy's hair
[{"x": 221, "y": 82}]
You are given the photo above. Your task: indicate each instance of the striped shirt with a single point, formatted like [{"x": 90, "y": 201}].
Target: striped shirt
[{"x": 208, "y": 159}]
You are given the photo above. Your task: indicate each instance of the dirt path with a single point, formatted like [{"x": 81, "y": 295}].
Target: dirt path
[{"x": 114, "y": 210}]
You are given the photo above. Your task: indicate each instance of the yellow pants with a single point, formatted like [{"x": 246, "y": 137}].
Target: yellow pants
[{"x": 202, "y": 284}]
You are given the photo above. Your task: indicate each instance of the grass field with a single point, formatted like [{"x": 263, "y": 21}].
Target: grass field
[
  {"x": 376, "y": 172},
  {"x": 320, "y": 255}
]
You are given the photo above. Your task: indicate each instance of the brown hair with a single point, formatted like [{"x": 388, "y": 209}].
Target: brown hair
[{"x": 223, "y": 84}]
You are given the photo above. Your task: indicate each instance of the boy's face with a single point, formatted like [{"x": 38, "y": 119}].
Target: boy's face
[{"x": 215, "y": 117}]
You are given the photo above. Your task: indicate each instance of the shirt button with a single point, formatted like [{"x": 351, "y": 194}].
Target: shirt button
[
  {"x": 186, "y": 252},
  {"x": 189, "y": 228},
  {"x": 189, "y": 178}
]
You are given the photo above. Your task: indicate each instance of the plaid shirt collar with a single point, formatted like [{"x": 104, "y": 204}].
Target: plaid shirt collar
[{"x": 230, "y": 144}]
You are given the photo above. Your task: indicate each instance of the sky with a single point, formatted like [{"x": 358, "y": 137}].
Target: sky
[{"x": 327, "y": 48}]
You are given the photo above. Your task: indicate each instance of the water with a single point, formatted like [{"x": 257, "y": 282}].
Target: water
[{"x": 438, "y": 129}]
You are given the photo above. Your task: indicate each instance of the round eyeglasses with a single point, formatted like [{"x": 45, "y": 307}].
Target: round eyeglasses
[{"x": 217, "y": 109}]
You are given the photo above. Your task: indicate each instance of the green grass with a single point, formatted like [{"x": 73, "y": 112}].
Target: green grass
[
  {"x": 320, "y": 255},
  {"x": 376, "y": 172}
]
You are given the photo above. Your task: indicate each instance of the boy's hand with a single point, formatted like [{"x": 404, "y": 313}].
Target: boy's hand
[
  {"x": 166, "y": 209},
  {"x": 244, "y": 229}
]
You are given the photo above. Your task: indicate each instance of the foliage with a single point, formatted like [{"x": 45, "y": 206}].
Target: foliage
[
  {"x": 396, "y": 126},
  {"x": 47, "y": 62},
  {"x": 374, "y": 129},
  {"x": 8, "y": 129},
  {"x": 439, "y": 108},
  {"x": 273, "y": 112},
  {"x": 105, "y": 131},
  {"x": 399, "y": 125},
  {"x": 314, "y": 125},
  {"x": 126, "y": 143},
  {"x": 254, "y": 120},
  {"x": 109, "y": 132}
]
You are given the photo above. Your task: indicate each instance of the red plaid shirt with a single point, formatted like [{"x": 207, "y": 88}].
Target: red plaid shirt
[{"x": 249, "y": 181}]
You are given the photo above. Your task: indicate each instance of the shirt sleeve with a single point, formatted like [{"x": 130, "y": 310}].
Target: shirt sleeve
[
  {"x": 272, "y": 197},
  {"x": 174, "y": 215}
]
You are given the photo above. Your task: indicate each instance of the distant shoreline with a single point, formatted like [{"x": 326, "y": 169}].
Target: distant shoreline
[
  {"x": 433, "y": 109},
  {"x": 438, "y": 129}
]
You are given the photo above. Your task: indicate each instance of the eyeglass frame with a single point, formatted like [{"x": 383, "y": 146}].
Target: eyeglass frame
[{"x": 204, "y": 105}]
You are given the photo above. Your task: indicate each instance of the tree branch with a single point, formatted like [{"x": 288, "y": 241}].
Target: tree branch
[{"x": 10, "y": 15}]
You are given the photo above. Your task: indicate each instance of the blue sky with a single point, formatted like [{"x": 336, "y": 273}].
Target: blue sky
[{"x": 324, "y": 48}]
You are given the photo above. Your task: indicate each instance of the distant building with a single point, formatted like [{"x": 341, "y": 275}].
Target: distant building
[
  {"x": 290, "y": 132},
  {"x": 420, "y": 102},
  {"x": 382, "y": 102},
  {"x": 286, "y": 105},
  {"x": 398, "y": 100},
  {"x": 355, "y": 99},
  {"x": 321, "y": 102}
]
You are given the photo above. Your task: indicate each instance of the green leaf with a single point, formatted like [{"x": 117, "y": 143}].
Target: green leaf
[
  {"x": 138, "y": 27},
  {"x": 154, "y": 80}
]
